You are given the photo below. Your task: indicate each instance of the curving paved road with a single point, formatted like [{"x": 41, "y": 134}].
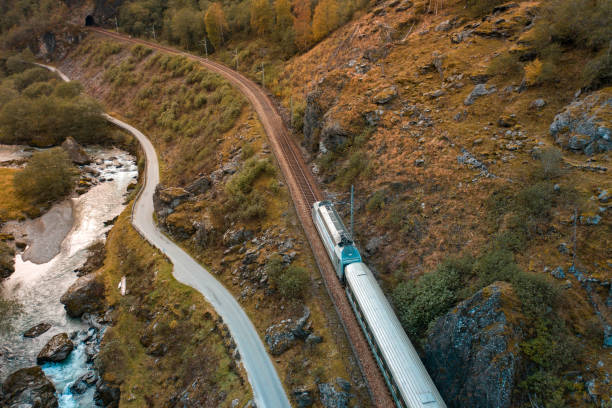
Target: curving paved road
[{"x": 267, "y": 388}]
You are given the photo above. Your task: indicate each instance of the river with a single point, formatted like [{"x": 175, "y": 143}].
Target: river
[{"x": 38, "y": 287}]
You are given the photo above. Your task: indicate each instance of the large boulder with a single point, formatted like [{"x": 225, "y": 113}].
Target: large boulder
[
  {"x": 585, "y": 125},
  {"x": 165, "y": 200},
  {"x": 107, "y": 395},
  {"x": 472, "y": 352},
  {"x": 478, "y": 91},
  {"x": 282, "y": 336},
  {"x": 333, "y": 137},
  {"x": 86, "y": 295},
  {"x": 57, "y": 349},
  {"x": 331, "y": 397},
  {"x": 199, "y": 186},
  {"x": 28, "y": 387},
  {"x": 75, "y": 151}
]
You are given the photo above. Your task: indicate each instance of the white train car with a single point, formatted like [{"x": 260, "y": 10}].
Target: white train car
[
  {"x": 336, "y": 238},
  {"x": 406, "y": 376},
  {"x": 408, "y": 381}
]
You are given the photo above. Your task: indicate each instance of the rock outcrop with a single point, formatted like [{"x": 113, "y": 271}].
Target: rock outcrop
[
  {"x": 76, "y": 153},
  {"x": 86, "y": 295},
  {"x": 28, "y": 387},
  {"x": 7, "y": 260},
  {"x": 57, "y": 349},
  {"x": 282, "y": 336},
  {"x": 107, "y": 395},
  {"x": 585, "y": 125},
  {"x": 37, "y": 330},
  {"x": 471, "y": 352},
  {"x": 335, "y": 396}
]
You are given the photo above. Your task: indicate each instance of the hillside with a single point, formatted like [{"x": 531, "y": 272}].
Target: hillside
[{"x": 476, "y": 134}]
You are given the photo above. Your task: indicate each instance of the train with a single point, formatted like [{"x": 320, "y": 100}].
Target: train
[{"x": 409, "y": 383}]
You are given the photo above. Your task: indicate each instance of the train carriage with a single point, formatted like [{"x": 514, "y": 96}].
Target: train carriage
[{"x": 406, "y": 377}]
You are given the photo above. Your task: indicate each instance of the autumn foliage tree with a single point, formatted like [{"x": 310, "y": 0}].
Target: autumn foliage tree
[
  {"x": 302, "y": 24},
  {"x": 326, "y": 19},
  {"x": 262, "y": 16},
  {"x": 216, "y": 25}
]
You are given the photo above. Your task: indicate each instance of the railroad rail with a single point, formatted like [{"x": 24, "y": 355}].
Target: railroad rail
[{"x": 304, "y": 192}]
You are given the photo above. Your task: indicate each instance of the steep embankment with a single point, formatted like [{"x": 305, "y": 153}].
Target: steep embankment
[
  {"x": 233, "y": 213},
  {"x": 463, "y": 142}
]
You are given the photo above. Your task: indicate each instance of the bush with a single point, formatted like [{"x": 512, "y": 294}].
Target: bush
[
  {"x": 356, "y": 166},
  {"x": 535, "y": 201},
  {"x": 68, "y": 90},
  {"x": 419, "y": 305},
  {"x": 551, "y": 161},
  {"x": 48, "y": 176},
  {"x": 38, "y": 89},
  {"x": 496, "y": 265},
  {"x": 290, "y": 282},
  {"x": 242, "y": 182},
  {"x": 537, "y": 295},
  {"x": 376, "y": 201},
  {"x": 506, "y": 64},
  {"x": 30, "y": 76}
]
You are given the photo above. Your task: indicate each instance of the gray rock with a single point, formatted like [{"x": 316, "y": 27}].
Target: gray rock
[
  {"x": 28, "y": 388},
  {"x": 343, "y": 384},
  {"x": 558, "y": 273},
  {"x": 562, "y": 248},
  {"x": 538, "y": 103},
  {"x": 478, "y": 91},
  {"x": 37, "y": 330},
  {"x": 460, "y": 36},
  {"x": 199, "y": 186},
  {"x": 282, "y": 336},
  {"x": 333, "y": 137},
  {"x": 303, "y": 397},
  {"x": 86, "y": 295},
  {"x": 374, "y": 245},
  {"x": 106, "y": 395},
  {"x": 385, "y": 95},
  {"x": 607, "y": 341},
  {"x": 443, "y": 26},
  {"x": 604, "y": 196},
  {"x": 236, "y": 236},
  {"x": 57, "y": 349},
  {"x": 75, "y": 151},
  {"x": 471, "y": 351},
  {"x": 590, "y": 219},
  {"x": 313, "y": 339},
  {"x": 331, "y": 398},
  {"x": 373, "y": 118},
  {"x": 584, "y": 125}
]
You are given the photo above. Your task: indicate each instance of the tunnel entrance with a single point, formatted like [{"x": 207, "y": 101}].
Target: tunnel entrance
[{"x": 89, "y": 21}]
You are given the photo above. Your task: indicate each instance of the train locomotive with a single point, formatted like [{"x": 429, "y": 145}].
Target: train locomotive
[{"x": 407, "y": 379}]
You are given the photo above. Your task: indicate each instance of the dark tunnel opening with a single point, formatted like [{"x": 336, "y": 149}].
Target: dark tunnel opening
[{"x": 89, "y": 21}]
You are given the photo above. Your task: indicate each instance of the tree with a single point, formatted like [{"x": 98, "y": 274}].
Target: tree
[
  {"x": 48, "y": 176},
  {"x": 216, "y": 25},
  {"x": 187, "y": 27},
  {"x": 326, "y": 19},
  {"x": 284, "y": 19},
  {"x": 302, "y": 24},
  {"x": 262, "y": 16}
]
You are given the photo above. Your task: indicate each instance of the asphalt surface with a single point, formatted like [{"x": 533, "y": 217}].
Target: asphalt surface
[{"x": 267, "y": 388}]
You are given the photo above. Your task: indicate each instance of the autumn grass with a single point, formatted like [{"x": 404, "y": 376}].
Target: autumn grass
[{"x": 12, "y": 206}]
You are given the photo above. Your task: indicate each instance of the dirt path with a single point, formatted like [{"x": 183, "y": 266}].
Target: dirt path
[{"x": 304, "y": 192}]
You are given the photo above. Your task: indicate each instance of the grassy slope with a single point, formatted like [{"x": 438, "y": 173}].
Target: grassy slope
[
  {"x": 177, "y": 316},
  {"x": 11, "y": 206},
  {"x": 197, "y": 138}
]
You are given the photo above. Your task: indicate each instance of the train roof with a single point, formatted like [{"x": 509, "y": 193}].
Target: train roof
[
  {"x": 342, "y": 236},
  {"x": 403, "y": 362}
]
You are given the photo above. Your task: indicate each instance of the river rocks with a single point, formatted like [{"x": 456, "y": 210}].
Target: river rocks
[
  {"x": 28, "y": 387},
  {"x": 107, "y": 395},
  {"x": 282, "y": 336},
  {"x": 86, "y": 295},
  {"x": 585, "y": 126},
  {"x": 76, "y": 153},
  {"x": 478, "y": 91},
  {"x": 471, "y": 352},
  {"x": 7, "y": 260},
  {"x": 57, "y": 349},
  {"x": 83, "y": 382},
  {"x": 37, "y": 330}
]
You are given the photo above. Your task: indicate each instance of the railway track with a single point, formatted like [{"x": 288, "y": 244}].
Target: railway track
[{"x": 304, "y": 192}]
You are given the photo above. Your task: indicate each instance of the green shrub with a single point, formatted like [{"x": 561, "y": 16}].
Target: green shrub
[
  {"x": 48, "y": 176},
  {"x": 598, "y": 71},
  {"x": 140, "y": 51},
  {"x": 419, "y": 305},
  {"x": 291, "y": 282},
  {"x": 496, "y": 265},
  {"x": 68, "y": 90},
  {"x": 247, "y": 151},
  {"x": 38, "y": 89},
  {"x": 356, "y": 166},
  {"x": 376, "y": 201},
  {"x": 536, "y": 200},
  {"x": 538, "y": 296},
  {"x": 551, "y": 161},
  {"x": 30, "y": 76},
  {"x": 506, "y": 64},
  {"x": 514, "y": 240},
  {"x": 242, "y": 182}
]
